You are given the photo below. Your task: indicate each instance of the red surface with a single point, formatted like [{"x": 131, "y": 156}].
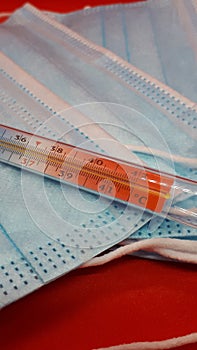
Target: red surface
[
  {"x": 127, "y": 300},
  {"x": 58, "y": 5}
]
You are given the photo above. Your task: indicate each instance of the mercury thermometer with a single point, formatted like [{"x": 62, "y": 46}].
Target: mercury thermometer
[{"x": 127, "y": 182}]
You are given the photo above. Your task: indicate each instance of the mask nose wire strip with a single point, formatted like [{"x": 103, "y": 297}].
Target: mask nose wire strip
[
  {"x": 184, "y": 251},
  {"x": 156, "y": 345}
]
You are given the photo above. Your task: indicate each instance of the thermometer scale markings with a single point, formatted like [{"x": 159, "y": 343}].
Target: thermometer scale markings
[
  {"x": 92, "y": 171},
  {"x": 69, "y": 162}
]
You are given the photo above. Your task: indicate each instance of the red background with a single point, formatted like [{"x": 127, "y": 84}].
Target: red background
[{"x": 127, "y": 300}]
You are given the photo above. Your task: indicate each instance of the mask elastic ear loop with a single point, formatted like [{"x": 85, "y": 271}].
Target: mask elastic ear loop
[
  {"x": 162, "y": 154},
  {"x": 183, "y": 251},
  {"x": 5, "y": 14},
  {"x": 156, "y": 345}
]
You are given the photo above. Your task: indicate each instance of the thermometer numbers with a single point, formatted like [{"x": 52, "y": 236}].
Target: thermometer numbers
[
  {"x": 20, "y": 138},
  {"x": 56, "y": 149},
  {"x": 27, "y": 162}
]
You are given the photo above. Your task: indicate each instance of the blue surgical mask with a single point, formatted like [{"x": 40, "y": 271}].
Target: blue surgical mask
[
  {"x": 52, "y": 229},
  {"x": 82, "y": 73},
  {"x": 166, "y": 52},
  {"x": 100, "y": 19},
  {"x": 60, "y": 228}
]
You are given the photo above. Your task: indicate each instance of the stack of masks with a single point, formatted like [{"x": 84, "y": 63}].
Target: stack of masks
[{"x": 120, "y": 80}]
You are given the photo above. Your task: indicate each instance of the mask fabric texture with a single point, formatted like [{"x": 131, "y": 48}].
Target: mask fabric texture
[
  {"x": 45, "y": 70},
  {"x": 80, "y": 72},
  {"x": 165, "y": 45},
  {"x": 180, "y": 111},
  {"x": 49, "y": 232}
]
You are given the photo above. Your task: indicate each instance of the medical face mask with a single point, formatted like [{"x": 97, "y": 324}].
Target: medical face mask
[
  {"x": 158, "y": 37},
  {"x": 169, "y": 58},
  {"x": 59, "y": 228},
  {"x": 162, "y": 108},
  {"x": 80, "y": 72},
  {"x": 52, "y": 229}
]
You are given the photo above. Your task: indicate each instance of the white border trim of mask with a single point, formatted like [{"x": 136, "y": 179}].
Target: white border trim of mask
[
  {"x": 49, "y": 97},
  {"x": 43, "y": 94},
  {"x": 140, "y": 74},
  {"x": 69, "y": 32},
  {"x": 54, "y": 102}
]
